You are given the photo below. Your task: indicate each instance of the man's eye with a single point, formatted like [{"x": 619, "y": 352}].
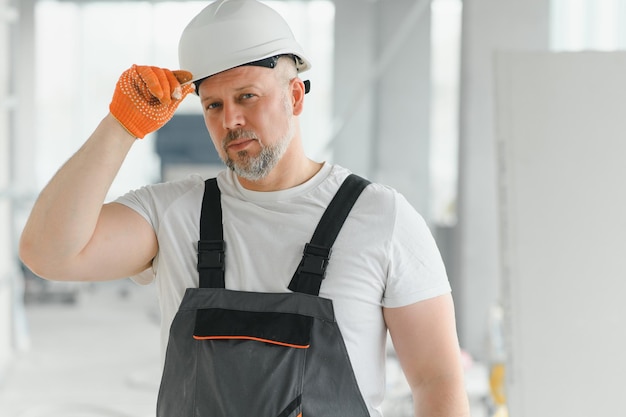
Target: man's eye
[
  {"x": 247, "y": 96},
  {"x": 212, "y": 106}
]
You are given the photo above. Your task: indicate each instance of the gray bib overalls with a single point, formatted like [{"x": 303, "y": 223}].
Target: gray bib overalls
[{"x": 244, "y": 354}]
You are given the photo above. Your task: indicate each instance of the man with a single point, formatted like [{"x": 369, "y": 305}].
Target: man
[{"x": 270, "y": 331}]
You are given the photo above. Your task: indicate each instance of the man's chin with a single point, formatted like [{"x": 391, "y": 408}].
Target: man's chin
[{"x": 253, "y": 175}]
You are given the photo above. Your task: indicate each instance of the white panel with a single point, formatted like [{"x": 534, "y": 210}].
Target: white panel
[{"x": 562, "y": 136}]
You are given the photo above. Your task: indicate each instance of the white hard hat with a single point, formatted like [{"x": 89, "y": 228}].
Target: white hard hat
[{"x": 230, "y": 33}]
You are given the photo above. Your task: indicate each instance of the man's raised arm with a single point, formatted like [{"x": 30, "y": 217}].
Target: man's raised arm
[{"x": 70, "y": 234}]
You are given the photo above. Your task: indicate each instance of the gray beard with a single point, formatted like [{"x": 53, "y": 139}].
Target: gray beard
[{"x": 255, "y": 168}]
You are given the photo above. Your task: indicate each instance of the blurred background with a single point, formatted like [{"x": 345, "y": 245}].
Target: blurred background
[{"x": 402, "y": 92}]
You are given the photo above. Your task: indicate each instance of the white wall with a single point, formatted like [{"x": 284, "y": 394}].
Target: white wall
[{"x": 561, "y": 129}]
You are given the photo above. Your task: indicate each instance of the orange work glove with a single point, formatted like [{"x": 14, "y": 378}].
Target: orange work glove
[{"x": 145, "y": 98}]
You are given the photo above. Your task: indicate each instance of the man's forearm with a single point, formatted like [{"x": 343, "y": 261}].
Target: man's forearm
[{"x": 65, "y": 215}]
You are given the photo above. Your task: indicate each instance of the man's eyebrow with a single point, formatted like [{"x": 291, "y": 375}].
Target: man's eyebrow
[
  {"x": 245, "y": 87},
  {"x": 236, "y": 90}
]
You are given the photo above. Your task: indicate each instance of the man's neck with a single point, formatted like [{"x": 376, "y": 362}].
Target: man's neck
[{"x": 288, "y": 173}]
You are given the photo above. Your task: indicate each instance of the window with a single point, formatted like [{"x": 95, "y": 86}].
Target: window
[
  {"x": 445, "y": 70},
  {"x": 588, "y": 24}
]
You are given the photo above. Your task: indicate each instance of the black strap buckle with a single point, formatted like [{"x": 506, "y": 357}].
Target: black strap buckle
[
  {"x": 315, "y": 260},
  {"x": 211, "y": 263},
  {"x": 211, "y": 254},
  {"x": 311, "y": 271}
]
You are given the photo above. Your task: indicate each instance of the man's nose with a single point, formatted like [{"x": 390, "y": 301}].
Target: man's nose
[{"x": 232, "y": 117}]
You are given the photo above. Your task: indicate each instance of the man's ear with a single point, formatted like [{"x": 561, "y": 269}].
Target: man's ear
[{"x": 297, "y": 95}]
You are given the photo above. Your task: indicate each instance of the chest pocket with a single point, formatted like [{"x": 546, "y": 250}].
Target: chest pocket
[{"x": 254, "y": 361}]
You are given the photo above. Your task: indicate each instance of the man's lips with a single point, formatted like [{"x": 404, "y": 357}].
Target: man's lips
[{"x": 239, "y": 144}]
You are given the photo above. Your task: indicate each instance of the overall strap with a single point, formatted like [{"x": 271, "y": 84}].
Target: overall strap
[
  {"x": 310, "y": 273},
  {"x": 211, "y": 244}
]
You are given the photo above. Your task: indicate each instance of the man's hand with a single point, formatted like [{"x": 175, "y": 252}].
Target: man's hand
[{"x": 145, "y": 97}]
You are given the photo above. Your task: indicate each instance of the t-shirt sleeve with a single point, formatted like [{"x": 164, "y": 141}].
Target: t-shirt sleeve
[
  {"x": 141, "y": 201},
  {"x": 416, "y": 270},
  {"x": 152, "y": 203}
]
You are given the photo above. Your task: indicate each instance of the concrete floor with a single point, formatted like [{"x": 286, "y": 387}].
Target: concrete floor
[{"x": 99, "y": 357}]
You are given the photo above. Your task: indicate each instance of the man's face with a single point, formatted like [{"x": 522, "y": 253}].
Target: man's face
[{"x": 249, "y": 115}]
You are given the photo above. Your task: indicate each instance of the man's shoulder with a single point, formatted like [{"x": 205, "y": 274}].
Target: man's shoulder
[
  {"x": 375, "y": 199},
  {"x": 178, "y": 186},
  {"x": 164, "y": 193},
  {"x": 340, "y": 173}
]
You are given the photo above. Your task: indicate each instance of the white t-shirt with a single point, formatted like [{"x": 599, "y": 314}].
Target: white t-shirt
[{"x": 384, "y": 256}]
